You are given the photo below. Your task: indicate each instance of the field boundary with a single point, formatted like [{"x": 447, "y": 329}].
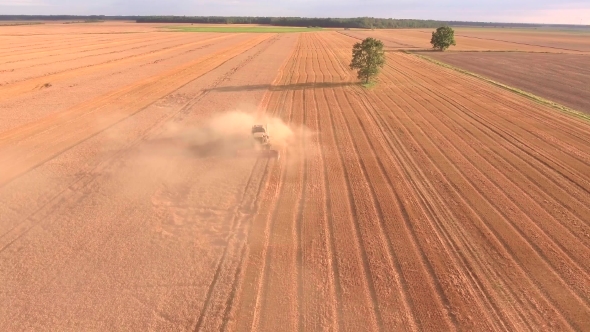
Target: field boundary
[
  {"x": 227, "y": 29},
  {"x": 528, "y": 95}
]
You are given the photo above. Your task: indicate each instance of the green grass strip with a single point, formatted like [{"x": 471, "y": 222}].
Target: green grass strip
[
  {"x": 535, "y": 98},
  {"x": 226, "y": 29},
  {"x": 10, "y": 24}
]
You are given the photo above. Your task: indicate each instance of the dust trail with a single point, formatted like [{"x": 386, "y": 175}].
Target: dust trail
[{"x": 225, "y": 133}]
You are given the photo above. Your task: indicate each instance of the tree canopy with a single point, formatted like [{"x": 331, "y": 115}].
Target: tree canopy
[
  {"x": 443, "y": 38},
  {"x": 368, "y": 58}
]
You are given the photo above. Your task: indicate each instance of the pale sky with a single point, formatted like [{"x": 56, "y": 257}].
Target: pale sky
[{"x": 529, "y": 11}]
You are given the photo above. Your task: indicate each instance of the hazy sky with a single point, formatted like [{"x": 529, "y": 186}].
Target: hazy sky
[{"x": 534, "y": 11}]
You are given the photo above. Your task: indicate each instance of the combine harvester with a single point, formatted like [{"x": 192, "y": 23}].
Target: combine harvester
[{"x": 261, "y": 143}]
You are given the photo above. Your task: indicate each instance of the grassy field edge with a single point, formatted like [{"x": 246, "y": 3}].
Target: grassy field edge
[
  {"x": 226, "y": 29},
  {"x": 531, "y": 96}
]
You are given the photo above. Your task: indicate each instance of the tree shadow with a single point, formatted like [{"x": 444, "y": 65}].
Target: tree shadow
[{"x": 286, "y": 87}]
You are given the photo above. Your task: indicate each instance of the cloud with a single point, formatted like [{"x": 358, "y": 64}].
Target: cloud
[{"x": 18, "y": 3}]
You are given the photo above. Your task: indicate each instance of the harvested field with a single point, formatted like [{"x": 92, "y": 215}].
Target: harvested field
[
  {"x": 563, "y": 40},
  {"x": 434, "y": 201},
  {"x": 482, "y": 40},
  {"x": 563, "y": 78}
]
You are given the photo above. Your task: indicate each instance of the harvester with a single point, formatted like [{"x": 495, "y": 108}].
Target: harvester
[{"x": 261, "y": 142}]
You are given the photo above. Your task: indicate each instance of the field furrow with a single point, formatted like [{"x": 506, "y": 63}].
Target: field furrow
[
  {"x": 357, "y": 308},
  {"x": 279, "y": 307},
  {"x": 530, "y": 168},
  {"x": 29, "y": 84},
  {"x": 433, "y": 200},
  {"x": 319, "y": 276},
  {"x": 507, "y": 237},
  {"x": 30, "y": 54},
  {"x": 21, "y": 71},
  {"x": 498, "y": 165},
  {"x": 456, "y": 301},
  {"x": 255, "y": 263},
  {"x": 33, "y": 139}
]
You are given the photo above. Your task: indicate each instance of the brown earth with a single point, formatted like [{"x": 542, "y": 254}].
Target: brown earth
[
  {"x": 571, "y": 40},
  {"x": 563, "y": 78},
  {"x": 434, "y": 201},
  {"x": 482, "y": 40}
]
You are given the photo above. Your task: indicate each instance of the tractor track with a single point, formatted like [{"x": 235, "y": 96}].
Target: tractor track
[
  {"x": 516, "y": 198},
  {"x": 155, "y": 87},
  {"x": 79, "y": 53},
  {"x": 29, "y": 84},
  {"x": 253, "y": 261},
  {"x": 96, "y": 171},
  {"x": 240, "y": 225},
  {"x": 438, "y": 94},
  {"x": 433, "y": 201}
]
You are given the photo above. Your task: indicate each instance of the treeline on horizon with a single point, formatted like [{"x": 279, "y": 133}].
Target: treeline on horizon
[{"x": 358, "y": 22}]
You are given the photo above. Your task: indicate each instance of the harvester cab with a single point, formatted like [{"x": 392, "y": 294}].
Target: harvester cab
[
  {"x": 261, "y": 141},
  {"x": 260, "y": 136}
]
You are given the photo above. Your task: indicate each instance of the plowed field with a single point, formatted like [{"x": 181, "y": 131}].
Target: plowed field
[
  {"x": 562, "y": 78},
  {"x": 484, "y": 40},
  {"x": 434, "y": 201}
]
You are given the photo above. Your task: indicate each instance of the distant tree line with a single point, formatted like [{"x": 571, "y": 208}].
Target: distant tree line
[{"x": 358, "y": 22}]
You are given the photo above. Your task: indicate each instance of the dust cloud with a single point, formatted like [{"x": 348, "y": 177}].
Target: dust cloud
[{"x": 226, "y": 133}]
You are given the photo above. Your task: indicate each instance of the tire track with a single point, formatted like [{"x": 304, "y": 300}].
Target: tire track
[
  {"x": 506, "y": 168},
  {"x": 73, "y": 39},
  {"x": 440, "y": 260},
  {"x": 321, "y": 287},
  {"x": 572, "y": 202},
  {"x": 355, "y": 315},
  {"x": 37, "y": 69},
  {"x": 535, "y": 115},
  {"x": 468, "y": 241},
  {"x": 531, "y": 152},
  {"x": 238, "y": 278},
  {"x": 155, "y": 87},
  {"x": 79, "y": 184},
  {"x": 572, "y": 132},
  {"x": 376, "y": 218},
  {"x": 515, "y": 247},
  {"x": 521, "y": 222},
  {"x": 422, "y": 187},
  {"x": 240, "y": 221},
  {"x": 468, "y": 238},
  {"x": 75, "y": 50},
  {"x": 280, "y": 306},
  {"x": 255, "y": 263},
  {"x": 20, "y": 87}
]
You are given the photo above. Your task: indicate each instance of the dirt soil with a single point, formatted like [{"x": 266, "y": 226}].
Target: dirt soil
[
  {"x": 483, "y": 40},
  {"x": 560, "y": 40},
  {"x": 563, "y": 78},
  {"x": 434, "y": 201}
]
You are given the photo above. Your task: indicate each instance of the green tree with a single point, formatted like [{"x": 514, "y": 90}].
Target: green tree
[
  {"x": 442, "y": 38},
  {"x": 368, "y": 58}
]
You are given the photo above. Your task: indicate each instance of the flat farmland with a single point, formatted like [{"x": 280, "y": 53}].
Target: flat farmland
[
  {"x": 563, "y": 78},
  {"x": 484, "y": 40},
  {"x": 434, "y": 201},
  {"x": 560, "y": 40}
]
